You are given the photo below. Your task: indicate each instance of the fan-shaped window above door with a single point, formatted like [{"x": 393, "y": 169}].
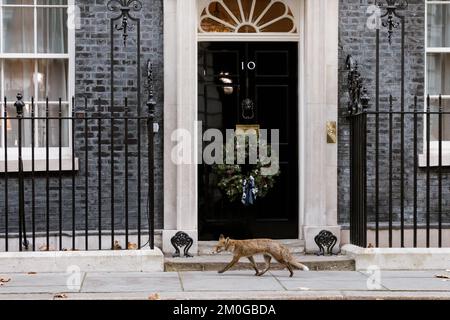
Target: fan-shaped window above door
[{"x": 247, "y": 16}]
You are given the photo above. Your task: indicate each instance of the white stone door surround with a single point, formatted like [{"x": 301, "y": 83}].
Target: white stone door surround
[{"x": 318, "y": 85}]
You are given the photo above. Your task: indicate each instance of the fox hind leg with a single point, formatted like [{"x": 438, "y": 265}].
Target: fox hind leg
[
  {"x": 286, "y": 264},
  {"x": 289, "y": 266},
  {"x": 253, "y": 263}
]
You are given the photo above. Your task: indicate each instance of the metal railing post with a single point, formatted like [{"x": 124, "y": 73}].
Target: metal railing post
[
  {"x": 151, "y": 103},
  {"x": 19, "y": 104}
]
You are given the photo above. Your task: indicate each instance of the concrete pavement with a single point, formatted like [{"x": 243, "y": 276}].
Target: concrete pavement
[{"x": 336, "y": 285}]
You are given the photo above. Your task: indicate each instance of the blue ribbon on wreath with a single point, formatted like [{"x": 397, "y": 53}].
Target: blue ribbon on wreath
[{"x": 249, "y": 191}]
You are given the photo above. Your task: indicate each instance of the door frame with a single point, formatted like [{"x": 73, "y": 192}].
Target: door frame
[
  {"x": 318, "y": 43},
  {"x": 298, "y": 7},
  {"x": 295, "y": 46}
]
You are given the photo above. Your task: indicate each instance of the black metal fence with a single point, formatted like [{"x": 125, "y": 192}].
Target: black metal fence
[
  {"x": 400, "y": 179},
  {"x": 57, "y": 195}
]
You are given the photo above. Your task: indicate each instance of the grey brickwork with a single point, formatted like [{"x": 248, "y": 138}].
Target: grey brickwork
[
  {"x": 92, "y": 80},
  {"x": 357, "y": 39}
]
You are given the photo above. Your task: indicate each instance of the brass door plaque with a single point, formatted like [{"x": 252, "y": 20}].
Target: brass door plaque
[{"x": 331, "y": 132}]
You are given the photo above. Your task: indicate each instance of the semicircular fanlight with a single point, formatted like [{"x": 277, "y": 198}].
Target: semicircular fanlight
[{"x": 247, "y": 16}]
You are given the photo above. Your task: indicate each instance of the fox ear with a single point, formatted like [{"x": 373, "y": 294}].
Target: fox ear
[{"x": 221, "y": 237}]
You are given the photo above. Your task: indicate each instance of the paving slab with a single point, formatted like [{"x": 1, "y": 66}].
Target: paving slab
[
  {"x": 229, "y": 281},
  {"x": 37, "y": 283},
  {"x": 131, "y": 282},
  {"x": 408, "y": 274},
  {"x": 322, "y": 280},
  {"x": 27, "y": 296},
  {"x": 417, "y": 284},
  {"x": 396, "y": 295}
]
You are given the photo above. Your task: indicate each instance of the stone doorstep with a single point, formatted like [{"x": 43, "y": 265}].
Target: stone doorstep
[
  {"x": 214, "y": 263},
  {"x": 86, "y": 261},
  {"x": 295, "y": 246}
]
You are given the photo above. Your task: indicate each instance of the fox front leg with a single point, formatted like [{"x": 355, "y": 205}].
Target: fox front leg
[{"x": 231, "y": 264}]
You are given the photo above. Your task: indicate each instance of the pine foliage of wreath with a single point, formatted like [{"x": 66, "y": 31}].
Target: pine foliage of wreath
[{"x": 231, "y": 176}]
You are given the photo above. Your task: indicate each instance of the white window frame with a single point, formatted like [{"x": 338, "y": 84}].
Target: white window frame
[{"x": 40, "y": 152}]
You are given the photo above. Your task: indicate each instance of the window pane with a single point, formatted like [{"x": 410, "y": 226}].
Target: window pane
[
  {"x": 437, "y": 76},
  {"x": 51, "y": 79},
  {"x": 12, "y": 126},
  {"x": 18, "y": 24},
  {"x": 435, "y": 120},
  {"x": 53, "y": 128},
  {"x": 52, "y": 30},
  {"x": 439, "y": 25},
  {"x": 17, "y": 1},
  {"x": 52, "y": 2},
  {"x": 18, "y": 78}
]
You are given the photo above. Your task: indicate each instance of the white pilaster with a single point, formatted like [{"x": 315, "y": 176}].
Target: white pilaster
[
  {"x": 321, "y": 79},
  {"x": 180, "y": 113}
]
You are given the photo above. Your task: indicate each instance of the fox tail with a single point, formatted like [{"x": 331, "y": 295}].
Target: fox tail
[{"x": 298, "y": 265}]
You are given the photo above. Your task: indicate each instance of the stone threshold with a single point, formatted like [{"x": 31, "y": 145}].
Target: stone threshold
[{"x": 216, "y": 262}]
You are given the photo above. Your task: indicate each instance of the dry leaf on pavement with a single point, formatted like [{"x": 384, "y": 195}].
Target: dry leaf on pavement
[
  {"x": 132, "y": 246},
  {"x": 4, "y": 280},
  {"x": 442, "y": 276},
  {"x": 32, "y": 273},
  {"x": 154, "y": 297},
  {"x": 60, "y": 296},
  {"x": 44, "y": 248},
  {"x": 117, "y": 245}
]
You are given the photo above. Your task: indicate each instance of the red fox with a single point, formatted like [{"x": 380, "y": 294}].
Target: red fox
[{"x": 248, "y": 248}]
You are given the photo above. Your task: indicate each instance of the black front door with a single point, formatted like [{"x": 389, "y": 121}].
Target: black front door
[{"x": 267, "y": 74}]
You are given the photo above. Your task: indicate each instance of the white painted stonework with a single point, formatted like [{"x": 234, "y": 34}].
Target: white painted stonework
[
  {"x": 318, "y": 79},
  {"x": 398, "y": 258},
  {"x": 84, "y": 261}
]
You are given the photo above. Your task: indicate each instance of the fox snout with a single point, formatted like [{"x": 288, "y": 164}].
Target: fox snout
[{"x": 217, "y": 250}]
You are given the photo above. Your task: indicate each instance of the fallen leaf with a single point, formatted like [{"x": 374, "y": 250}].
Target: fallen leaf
[
  {"x": 442, "y": 276},
  {"x": 154, "y": 297},
  {"x": 4, "y": 280},
  {"x": 370, "y": 246},
  {"x": 117, "y": 245},
  {"x": 44, "y": 248},
  {"x": 32, "y": 273},
  {"x": 60, "y": 296},
  {"x": 132, "y": 246}
]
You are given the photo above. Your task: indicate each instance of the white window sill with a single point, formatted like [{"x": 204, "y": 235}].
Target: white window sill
[
  {"x": 39, "y": 165},
  {"x": 434, "y": 159}
]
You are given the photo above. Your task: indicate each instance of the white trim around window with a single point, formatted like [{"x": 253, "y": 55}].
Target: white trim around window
[
  {"x": 40, "y": 152},
  {"x": 434, "y": 145}
]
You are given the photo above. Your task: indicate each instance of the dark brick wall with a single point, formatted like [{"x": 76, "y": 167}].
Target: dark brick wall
[
  {"x": 92, "y": 81},
  {"x": 357, "y": 39}
]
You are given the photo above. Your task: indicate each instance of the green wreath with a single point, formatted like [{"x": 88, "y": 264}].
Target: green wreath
[{"x": 231, "y": 177}]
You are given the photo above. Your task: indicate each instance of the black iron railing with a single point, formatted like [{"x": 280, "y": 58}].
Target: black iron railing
[
  {"x": 399, "y": 175},
  {"x": 47, "y": 208}
]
